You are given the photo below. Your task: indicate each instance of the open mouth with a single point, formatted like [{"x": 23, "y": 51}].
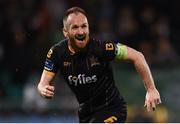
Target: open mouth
[{"x": 80, "y": 37}]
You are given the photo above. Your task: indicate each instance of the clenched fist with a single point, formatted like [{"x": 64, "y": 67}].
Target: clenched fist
[{"x": 46, "y": 91}]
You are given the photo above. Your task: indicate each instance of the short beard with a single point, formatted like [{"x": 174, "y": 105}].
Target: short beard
[{"x": 72, "y": 42}]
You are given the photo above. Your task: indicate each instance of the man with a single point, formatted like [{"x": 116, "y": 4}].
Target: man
[{"x": 84, "y": 64}]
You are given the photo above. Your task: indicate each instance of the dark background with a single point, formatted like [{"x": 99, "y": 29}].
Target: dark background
[{"x": 28, "y": 28}]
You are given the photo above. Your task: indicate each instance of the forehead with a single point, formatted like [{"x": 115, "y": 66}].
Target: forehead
[{"x": 76, "y": 19}]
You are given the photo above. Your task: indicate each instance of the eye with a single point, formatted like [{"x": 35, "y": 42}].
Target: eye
[
  {"x": 84, "y": 26},
  {"x": 75, "y": 27}
]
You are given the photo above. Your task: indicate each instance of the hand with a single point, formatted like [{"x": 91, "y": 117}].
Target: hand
[
  {"x": 152, "y": 99},
  {"x": 46, "y": 91}
]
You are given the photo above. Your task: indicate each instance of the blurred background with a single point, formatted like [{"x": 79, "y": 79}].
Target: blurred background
[{"x": 28, "y": 28}]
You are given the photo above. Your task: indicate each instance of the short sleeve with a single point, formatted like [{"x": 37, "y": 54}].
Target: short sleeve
[
  {"x": 51, "y": 63},
  {"x": 107, "y": 50}
]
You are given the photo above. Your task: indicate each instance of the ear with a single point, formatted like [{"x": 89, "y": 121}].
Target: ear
[{"x": 65, "y": 32}]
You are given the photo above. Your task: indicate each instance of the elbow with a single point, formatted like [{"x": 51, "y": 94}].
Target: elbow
[
  {"x": 140, "y": 55},
  {"x": 139, "y": 58}
]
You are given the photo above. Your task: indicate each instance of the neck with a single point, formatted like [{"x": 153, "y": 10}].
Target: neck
[{"x": 71, "y": 49}]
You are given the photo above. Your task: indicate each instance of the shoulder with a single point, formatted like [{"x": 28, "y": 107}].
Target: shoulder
[
  {"x": 61, "y": 45},
  {"x": 102, "y": 45},
  {"x": 104, "y": 49},
  {"x": 95, "y": 44},
  {"x": 59, "y": 48},
  {"x": 94, "y": 41}
]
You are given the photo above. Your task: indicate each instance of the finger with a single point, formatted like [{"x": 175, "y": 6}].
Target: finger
[
  {"x": 49, "y": 92},
  {"x": 148, "y": 105},
  {"x": 156, "y": 101},
  {"x": 51, "y": 88},
  {"x": 145, "y": 104},
  {"x": 46, "y": 91},
  {"x": 45, "y": 94},
  {"x": 159, "y": 101},
  {"x": 153, "y": 106},
  {"x": 49, "y": 95}
]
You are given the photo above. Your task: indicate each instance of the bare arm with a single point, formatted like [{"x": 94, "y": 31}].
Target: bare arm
[
  {"x": 142, "y": 67},
  {"x": 45, "y": 87},
  {"x": 152, "y": 95}
]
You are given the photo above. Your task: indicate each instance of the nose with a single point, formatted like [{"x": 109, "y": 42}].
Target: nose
[{"x": 80, "y": 30}]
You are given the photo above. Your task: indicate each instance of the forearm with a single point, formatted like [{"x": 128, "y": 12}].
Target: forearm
[
  {"x": 152, "y": 95},
  {"x": 46, "y": 78},
  {"x": 144, "y": 71},
  {"x": 127, "y": 53}
]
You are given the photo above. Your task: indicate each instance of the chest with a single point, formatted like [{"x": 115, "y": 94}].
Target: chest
[
  {"x": 83, "y": 72},
  {"x": 82, "y": 64}
]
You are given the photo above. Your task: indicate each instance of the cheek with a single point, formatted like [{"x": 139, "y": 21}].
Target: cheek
[
  {"x": 87, "y": 31},
  {"x": 71, "y": 34}
]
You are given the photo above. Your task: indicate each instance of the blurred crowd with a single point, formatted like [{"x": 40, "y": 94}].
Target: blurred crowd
[{"x": 29, "y": 27}]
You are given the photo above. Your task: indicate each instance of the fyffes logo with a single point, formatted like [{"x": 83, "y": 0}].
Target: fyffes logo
[{"x": 81, "y": 79}]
